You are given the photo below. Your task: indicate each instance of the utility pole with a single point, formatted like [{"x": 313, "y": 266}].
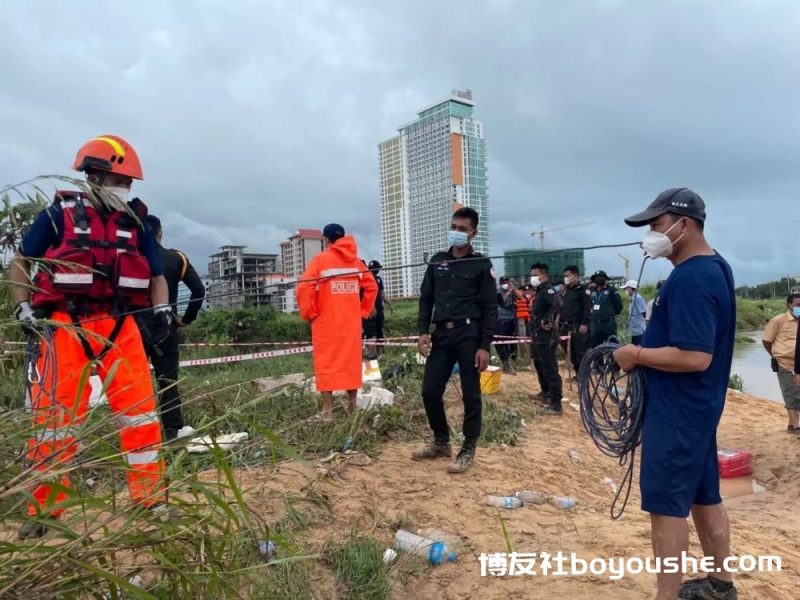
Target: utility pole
[{"x": 626, "y": 261}]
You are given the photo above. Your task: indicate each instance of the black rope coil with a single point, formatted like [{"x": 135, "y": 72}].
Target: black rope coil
[{"x": 612, "y": 410}]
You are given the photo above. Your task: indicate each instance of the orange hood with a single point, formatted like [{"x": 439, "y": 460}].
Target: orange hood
[{"x": 346, "y": 248}]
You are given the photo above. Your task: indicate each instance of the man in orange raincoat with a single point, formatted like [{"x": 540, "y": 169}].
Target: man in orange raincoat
[{"x": 329, "y": 297}]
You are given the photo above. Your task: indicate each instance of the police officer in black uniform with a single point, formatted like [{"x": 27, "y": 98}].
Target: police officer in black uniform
[
  {"x": 373, "y": 326},
  {"x": 606, "y": 307},
  {"x": 458, "y": 295},
  {"x": 574, "y": 320},
  {"x": 544, "y": 333},
  {"x": 165, "y": 355}
]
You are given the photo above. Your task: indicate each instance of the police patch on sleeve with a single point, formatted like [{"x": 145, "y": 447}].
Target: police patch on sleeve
[
  {"x": 588, "y": 292},
  {"x": 551, "y": 291}
]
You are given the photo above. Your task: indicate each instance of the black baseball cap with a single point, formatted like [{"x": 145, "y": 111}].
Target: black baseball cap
[
  {"x": 598, "y": 274},
  {"x": 374, "y": 264},
  {"x": 678, "y": 201},
  {"x": 333, "y": 231}
]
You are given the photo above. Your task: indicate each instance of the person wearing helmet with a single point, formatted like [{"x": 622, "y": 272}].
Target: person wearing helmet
[{"x": 97, "y": 264}]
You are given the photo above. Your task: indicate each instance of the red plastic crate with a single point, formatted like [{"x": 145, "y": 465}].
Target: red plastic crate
[{"x": 734, "y": 463}]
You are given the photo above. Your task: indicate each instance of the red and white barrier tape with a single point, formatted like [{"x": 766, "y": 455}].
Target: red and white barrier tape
[{"x": 201, "y": 362}]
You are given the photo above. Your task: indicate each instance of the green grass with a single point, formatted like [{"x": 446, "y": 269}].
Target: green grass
[
  {"x": 358, "y": 565},
  {"x": 285, "y": 581}
]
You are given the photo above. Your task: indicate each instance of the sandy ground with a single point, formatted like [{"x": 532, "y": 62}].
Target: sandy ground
[{"x": 374, "y": 495}]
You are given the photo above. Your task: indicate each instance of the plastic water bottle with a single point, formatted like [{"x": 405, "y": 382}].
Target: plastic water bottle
[
  {"x": 575, "y": 455},
  {"x": 565, "y": 502},
  {"x": 435, "y": 552},
  {"x": 504, "y": 501},
  {"x": 348, "y": 443},
  {"x": 451, "y": 540},
  {"x": 529, "y": 497}
]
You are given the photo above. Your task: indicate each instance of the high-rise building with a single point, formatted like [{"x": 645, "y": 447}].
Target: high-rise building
[
  {"x": 435, "y": 165},
  {"x": 518, "y": 262},
  {"x": 298, "y": 250},
  {"x": 184, "y": 295},
  {"x": 237, "y": 278}
]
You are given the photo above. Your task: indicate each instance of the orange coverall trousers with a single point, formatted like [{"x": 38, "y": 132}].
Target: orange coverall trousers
[{"x": 59, "y": 404}]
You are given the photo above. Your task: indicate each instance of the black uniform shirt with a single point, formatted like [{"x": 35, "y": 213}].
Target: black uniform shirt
[
  {"x": 577, "y": 305},
  {"x": 177, "y": 268},
  {"x": 455, "y": 289},
  {"x": 545, "y": 306}
]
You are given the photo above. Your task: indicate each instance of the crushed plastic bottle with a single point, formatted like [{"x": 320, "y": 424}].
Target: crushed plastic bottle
[
  {"x": 530, "y": 497},
  {"x": 435, "y": 552},
  {"x": 267, "y": 550},
  {"x": 610, "y": 483},
  {"x": 388, "y": 556},
  {"x": 565, "y": 502},
  {"x": 504, "y": 501},
  {"x": 575, "y": 455},
  {"x": 453, "y": 541}
]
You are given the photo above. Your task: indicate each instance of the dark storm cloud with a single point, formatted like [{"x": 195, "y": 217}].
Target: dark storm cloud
[{"x": 255, "y": 118}]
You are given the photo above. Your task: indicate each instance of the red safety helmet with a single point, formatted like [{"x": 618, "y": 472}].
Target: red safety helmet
[{"x": 109, "y": 153}]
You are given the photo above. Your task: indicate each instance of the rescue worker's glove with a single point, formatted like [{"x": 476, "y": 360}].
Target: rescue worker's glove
[
  {"x": 162, "y": 325},
  {"x": 26, "y": 318}
]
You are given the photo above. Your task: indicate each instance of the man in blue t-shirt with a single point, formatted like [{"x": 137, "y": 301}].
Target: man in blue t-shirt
[{"x": 686, "y": 356}]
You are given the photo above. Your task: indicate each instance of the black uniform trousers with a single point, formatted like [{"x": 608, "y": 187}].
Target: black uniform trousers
[
  {"x": 577, "y": 345},
  {"x": 373, "y": 329},
  {"x": 544, "y": 348},
  {"x": 165, "y": 358},
  {"x": 451, "y": 346},
  {"x": 506, "y": 327},
  {"x": 600, "y": 331}
]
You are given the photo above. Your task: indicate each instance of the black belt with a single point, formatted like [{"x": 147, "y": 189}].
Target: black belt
[
  {"x": 455, "y": 324},
  {"x": 603, "y": 320}
]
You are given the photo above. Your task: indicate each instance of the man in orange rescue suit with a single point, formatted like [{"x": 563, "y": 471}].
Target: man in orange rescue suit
[
  {"x": 329, "y": 297},
  {"x": 96, "y": 264}
]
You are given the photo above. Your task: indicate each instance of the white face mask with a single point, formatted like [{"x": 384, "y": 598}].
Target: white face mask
[
  {"x": 567, "y": 280},
  {"x": 535, "y": 281},
  {"x": 657, "y": 244},
  {"x": 504, "y": 286},
  {"x": 122, "y": 193}
]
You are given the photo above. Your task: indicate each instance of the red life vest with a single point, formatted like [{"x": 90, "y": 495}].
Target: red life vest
[{"x": 97, "y": 259}]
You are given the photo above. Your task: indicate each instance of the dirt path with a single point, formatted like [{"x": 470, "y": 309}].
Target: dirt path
[{"x": 377, "y": 495}]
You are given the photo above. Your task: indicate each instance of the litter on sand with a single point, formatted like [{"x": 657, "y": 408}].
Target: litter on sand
[{"x": 224, "y": 442}]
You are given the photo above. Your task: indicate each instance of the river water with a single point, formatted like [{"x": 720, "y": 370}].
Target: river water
[{"x": 751, "y": 363}]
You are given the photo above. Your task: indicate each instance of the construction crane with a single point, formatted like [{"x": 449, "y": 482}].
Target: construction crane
[
  {"x": 542, "y": 231},
  {"x": 627, "y": 262}
]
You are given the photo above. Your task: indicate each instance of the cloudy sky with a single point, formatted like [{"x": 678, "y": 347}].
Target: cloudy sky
[{"x": 254, "y": 118}]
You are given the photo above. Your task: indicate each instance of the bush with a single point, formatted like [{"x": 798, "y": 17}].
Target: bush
[{"x": 736, "y": 383}]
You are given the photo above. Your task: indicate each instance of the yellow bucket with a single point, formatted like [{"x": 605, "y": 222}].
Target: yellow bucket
[{"x": 490, "y": 380}]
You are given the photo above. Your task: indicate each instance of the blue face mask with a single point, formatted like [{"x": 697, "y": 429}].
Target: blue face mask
[
  {"x": 796, "y": 312},
  {"x": 459, "y": 239}
]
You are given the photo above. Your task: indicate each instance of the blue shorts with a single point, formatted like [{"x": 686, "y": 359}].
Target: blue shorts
[{"x": 679, "y": 468}]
